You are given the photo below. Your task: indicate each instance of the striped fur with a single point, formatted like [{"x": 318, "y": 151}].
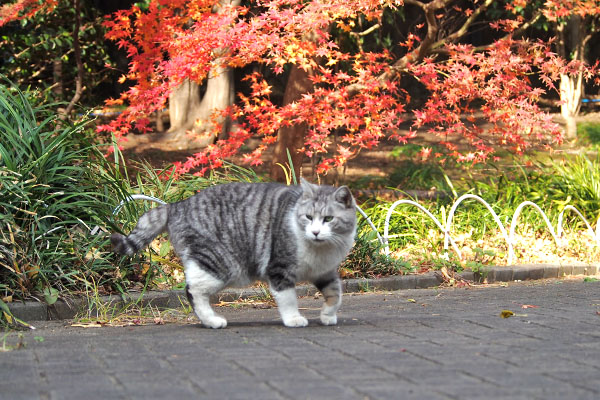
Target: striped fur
[{"x": 234, "y": 234}]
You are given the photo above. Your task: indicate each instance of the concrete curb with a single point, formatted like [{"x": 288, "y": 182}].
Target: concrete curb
[{"x": 34, "y": 311}]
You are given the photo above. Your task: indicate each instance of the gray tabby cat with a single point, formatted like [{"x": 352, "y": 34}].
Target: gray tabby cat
[{"x": 234, "y": 234}]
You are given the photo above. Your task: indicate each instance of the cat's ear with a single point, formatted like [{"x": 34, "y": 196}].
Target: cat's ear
[
  {"x": 343, "y": 195},
  {"x": 308, "y": 189}
]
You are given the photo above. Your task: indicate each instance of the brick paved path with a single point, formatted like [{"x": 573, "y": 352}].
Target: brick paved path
[{"x": 447, "y": 344}]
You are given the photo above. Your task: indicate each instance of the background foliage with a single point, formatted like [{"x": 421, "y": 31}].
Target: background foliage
[{"x": 37, "y": 52}]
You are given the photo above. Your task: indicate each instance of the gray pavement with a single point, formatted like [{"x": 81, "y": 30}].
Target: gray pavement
[{"x": 408, "y": 344}]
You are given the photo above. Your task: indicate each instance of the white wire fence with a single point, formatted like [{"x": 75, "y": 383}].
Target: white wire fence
[{"x": 509, "y": 237}]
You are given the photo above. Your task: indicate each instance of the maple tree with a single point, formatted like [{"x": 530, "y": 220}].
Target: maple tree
[
  {"x": 357, "y": 94},
  {"x": 23, "y": 9}
]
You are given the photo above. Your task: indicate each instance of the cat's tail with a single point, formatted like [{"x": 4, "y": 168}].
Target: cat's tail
[{"x": 150, "y": 225}]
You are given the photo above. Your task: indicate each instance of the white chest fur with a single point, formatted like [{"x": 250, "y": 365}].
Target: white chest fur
[{"x": 315, "y": 261}]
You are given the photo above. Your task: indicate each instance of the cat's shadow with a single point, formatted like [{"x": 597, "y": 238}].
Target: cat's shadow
[{"x": 312, "y": 323}]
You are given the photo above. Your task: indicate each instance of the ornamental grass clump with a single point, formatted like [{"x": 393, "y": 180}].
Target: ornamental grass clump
[{"x": 57, "y": 192}]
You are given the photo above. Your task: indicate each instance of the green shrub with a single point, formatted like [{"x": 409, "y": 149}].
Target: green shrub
[
  {"x": 366, "y": 260},
  {"x": 57, "y": 192}
]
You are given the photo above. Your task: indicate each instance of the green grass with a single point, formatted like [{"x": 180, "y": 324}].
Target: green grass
[
  {"x": 408, "y": 173},
  {"x": 552, "y": 185},
  {"x": 589, "y": 134}
]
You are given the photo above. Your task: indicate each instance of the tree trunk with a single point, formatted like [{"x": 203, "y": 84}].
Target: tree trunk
[
  {"x": 571, "y": 45},
  {"x": 57, "y": 77},
  {"x": 187, "y": 113},
  {"x": 183, "y": 104},
  {"x": 219, "y": 95},
  {"x": 291, "y": 138},
  {"x": 571, "y": 93}
]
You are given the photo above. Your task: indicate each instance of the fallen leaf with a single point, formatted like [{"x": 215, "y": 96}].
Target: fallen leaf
[
  {"x": 411, "y": 300},
  {"x": 8, "y": 317},
  {"x": 159, "y": 321},
  {"x": 529, "y": 306},
  {"x": 7, "y": 299},
  {"x": 445, "y": 273},
  {"x": 50, "y": 295},
  {"x": 94, "y": 324},
  {"x": 506, "y": 313}
]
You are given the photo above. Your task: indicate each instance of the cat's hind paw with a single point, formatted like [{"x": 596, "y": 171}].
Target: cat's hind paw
[
  {"x": 328, "y": 319},
  {"x": 297, "y": 321},
  {"x": 215, "y": 322}
]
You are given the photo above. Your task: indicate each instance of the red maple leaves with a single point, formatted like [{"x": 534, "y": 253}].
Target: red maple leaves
[
  {"x": 357, "y": 98},
  {"x": 493, "y": 85},
  {"x": 23, "y": 9}
]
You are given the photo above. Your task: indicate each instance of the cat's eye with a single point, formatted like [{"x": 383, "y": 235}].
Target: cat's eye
[
  {"x": 309, "y": 217},
  {"x": 328, "y": 218}
]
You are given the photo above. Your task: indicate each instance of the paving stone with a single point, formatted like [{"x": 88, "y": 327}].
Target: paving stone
[
  {"x": 427, "y": 281},
  {"x": 315, "y": 389},
  {"x": 581, "y": 270},
  {"x": 551, "y": 271},
  {"x": 535, "y": 272},
  {"x": 30, "y": 311},
  {"x": 14, "y": 391},
  {"x": 565, "y": 270},
  {"x": 502, "y": 274},
  {"x": 447, "y": 344},
  {"x": 521, "y": 273}
]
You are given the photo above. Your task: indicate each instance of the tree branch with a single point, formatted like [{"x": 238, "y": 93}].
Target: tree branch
[
  {"x": 418, "y": 53},
  {"x": 358, "y": 35},
  {"x": 79, "y": 63},
  {"x": 464, "y": 28},
  {"x": 366, "y": 32}
]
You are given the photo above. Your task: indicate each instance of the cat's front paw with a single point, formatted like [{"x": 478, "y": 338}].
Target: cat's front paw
[
  {"x": 328, "y": 319},
  {"x": 215, "y": 322},
  {"x": 297, "y": 321}
]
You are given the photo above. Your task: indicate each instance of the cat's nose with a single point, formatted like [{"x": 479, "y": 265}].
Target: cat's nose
[{"x": 316, "y": 232}]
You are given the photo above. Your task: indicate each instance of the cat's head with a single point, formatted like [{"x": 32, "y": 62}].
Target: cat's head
[{"x": 326, "y": 214}]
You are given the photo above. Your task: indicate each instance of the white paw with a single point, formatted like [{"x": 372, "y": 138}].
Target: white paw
[
  {"x": 296, "y": 322},
  {"x": 328, "y": 319},
  {"x": 215, "y": 322}
]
